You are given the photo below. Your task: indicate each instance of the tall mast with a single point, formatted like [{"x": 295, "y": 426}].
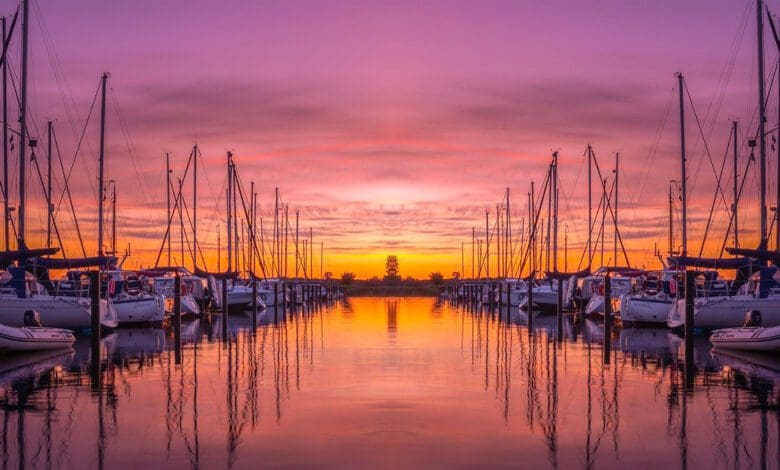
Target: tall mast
[
  {"x": 297, "y": 241},
  {"x": 229, "y": 211},
  {"x": 549, "y": 218},
  {"x": 532, "y": 223},
  {"x": 6, "y": 213},
  {"x": 195, "y": 208},
  {"x": 234, "y": 194},
  {"x": 487, "y": 244},
  {"x": 555, "y": 210},
  {"x": 617, "y": 180},
  {"x": 168, "y": 199},
  {"x": 473, "y": 247},
  {"x": 761, "y": 121},
  {"x": 507, "y": 237},
  {"x": 275, "y": 249},
  {"x": 736, "y": 190},
  {"x": 101, "y": 177},
  {"x": 590, "y": 206},
  {"x": 252, "y": 226},
  {"x": 23, "y": 125},
  {"x": 683, "y": 163},
  {"x": 671, "y": 220},
  {"x": 286, "y": 233},
  {"x": 311, "y": 252},
  {"x": 113, "y": 220},
  {"x": 498, "y": 240},
  {"x": 180, "y": 206},
  {"x": 50, "y": 207}
]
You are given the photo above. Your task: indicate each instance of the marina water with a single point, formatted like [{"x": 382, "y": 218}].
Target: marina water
[{"x": 390, "y": 383}]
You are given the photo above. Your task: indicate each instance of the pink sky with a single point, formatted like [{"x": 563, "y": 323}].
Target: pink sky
[{"x": 392, "y": 126}]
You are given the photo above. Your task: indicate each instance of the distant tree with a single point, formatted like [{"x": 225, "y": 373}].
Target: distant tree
[
  {"x": 456, "y": 275},
  {"x": 328, "y": 276},
  {"x": 391, "y": 269},
  {"x": 347, "y": 279},
  {"x": 437, "y": 278}
]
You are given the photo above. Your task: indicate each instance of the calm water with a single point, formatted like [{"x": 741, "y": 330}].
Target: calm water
[{"x": 390, "y": 382}]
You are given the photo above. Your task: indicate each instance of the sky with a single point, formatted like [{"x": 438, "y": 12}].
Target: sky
[{"x": 392, "y": 126}]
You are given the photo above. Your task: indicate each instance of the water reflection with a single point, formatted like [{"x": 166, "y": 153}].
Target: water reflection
[
  {"x": 624, "y": 398},
  {"x": 390, "y": 382}
]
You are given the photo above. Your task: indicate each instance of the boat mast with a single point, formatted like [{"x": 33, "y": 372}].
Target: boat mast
[
  {"x": 229, "y": 211},
  {"x": 180, "y": 206},
  {"x": 736, "y": 191},
  {"x": 615, "y": 241},
  {"x": 311, "y": 252},
  {"x": 50, "y": 207},
  {"x": 683, "y": 162},
  {"x": 297, "y": 241},
  {"x": 554, "y": 194},
  {"x": 275, "y": 250},
  {"x": 113, "y": 220},
  {"x": 195, "y": 208},
  {"x": 532, "y": 230},
  {"x": 168, "y": 199},
  {"x": 23, "y": 125},
  {"x": 498, "y": 240},
  {"x": 473, "y": 247},
  {"x": 671, "y": 220},
  {"x": 286, "y": 234},
  {"x": 6, "y": 212},
  {"x": 508, "y": 238},
  {"x": 761, "y": 122},
  {"x": 101, "y": 177},
  {"x": 590, "y": 206},
  {"x": 234, "y": 193},
  {"x": 252, "y": 226},
  {"x": 487, "y": 244}
]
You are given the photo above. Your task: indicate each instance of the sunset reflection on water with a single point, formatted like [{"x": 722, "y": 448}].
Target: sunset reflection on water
[{"x": 390, "y": 382}]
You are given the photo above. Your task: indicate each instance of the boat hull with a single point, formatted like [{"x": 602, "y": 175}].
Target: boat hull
[
  {"x": 645, "y": 310},
  {"x": 34, "y": 339},
  {"x": 726, "y": 312},
  {"x": 749, "y": 339},
  {"x": 145, "y": 309},
  {"x": 57, "y": 312}
]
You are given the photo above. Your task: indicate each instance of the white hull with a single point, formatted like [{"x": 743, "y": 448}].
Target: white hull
[
  {"x": 142, "y": 309},
  {"x": 749, "y": 339},
  {"x": 639, "y": 309},
  {"x": 726, "y": 312},
  {"x": 34, "y": 339},
  {"x": 544, "y": 297},
  {"x": 57, "y": 312}
]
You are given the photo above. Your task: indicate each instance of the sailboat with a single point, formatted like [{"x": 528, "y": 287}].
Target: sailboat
[
  {"x": 755, "y": 287},
  {"x": 20, "y": 289}
]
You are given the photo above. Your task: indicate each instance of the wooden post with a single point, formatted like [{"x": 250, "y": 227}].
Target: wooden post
[
  {"x": 559, "y": 311},
  {"x": 690, "y": 296},
  {"x": 224, "y": 308},
  {"x": 254, "y": 305},
  {"x": 607, "y": 319},
  {"x": 177, "y": 318},
  {"x": 530, "y": 304},
  {"x": 94, "y": 296}
]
